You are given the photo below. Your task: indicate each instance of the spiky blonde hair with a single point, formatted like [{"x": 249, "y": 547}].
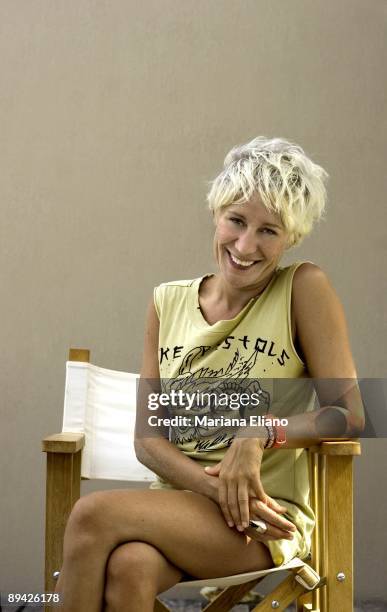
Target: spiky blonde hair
[{"x": 287, "y": 181}]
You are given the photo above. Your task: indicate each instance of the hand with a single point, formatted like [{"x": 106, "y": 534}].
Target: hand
[
  {"x": 278, "y": 527},
  {"x": 239, "y": 480},
  {"x": 270, "y": 512}
]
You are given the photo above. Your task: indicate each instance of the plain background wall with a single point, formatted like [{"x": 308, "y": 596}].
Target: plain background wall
[{"x": 113, "y": 117}]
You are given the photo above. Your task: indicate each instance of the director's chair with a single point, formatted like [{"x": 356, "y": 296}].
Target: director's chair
[{"x": 98, "y": 424}]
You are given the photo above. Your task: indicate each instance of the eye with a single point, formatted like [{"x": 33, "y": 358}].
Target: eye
[
  {"x": 268, "y": 230},
  {"x": 236, "y": 220}
]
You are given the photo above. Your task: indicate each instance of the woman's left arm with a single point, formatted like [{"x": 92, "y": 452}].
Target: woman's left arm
[{"x": 322, "y": 334}]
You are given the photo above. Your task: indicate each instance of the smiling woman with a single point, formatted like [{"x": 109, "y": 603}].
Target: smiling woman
[{"x": 248, "y": 326}]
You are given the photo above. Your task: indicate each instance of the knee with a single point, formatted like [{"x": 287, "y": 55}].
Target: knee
[
  {"x": 133, "y": 563},
  {"x": 86, "y": 527},
  {"x": 88, "y": 513},
  {"x": 131, "y": 572}
]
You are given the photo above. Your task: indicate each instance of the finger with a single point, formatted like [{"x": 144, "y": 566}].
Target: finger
[
  {"x": 222, "y": 497},
  {"x": 233, "y": 505},
  {"x": 243, "y": 500},
  {"x": 274, "y": 533},
  {"x": 269, "y": 515},
  {"x": 269, "y": 501},
  {"x": 260, "y": 537},
  {"x": 272, "y": 503},
  {"x": 258, "y": 490}
]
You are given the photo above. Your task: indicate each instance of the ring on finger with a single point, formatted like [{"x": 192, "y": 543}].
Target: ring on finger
[{"x": 259, "y": 526}]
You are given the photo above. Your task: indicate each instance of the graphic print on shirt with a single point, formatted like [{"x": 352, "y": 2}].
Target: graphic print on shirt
[
  {"x": 265, "y": 347},
  {"x": 226, "y": 381}
]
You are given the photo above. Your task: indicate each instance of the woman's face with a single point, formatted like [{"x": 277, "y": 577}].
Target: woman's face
[{"x": 248, "y": 244}]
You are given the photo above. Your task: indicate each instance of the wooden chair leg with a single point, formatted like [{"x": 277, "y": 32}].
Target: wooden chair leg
[
  {"x": 319, "y": 596},
  {"x": 62, "y": 491},
  {"x": 311, "y": 601},
  {"x": 339, "y": 534},
  {"x": 285, "y": 593}
]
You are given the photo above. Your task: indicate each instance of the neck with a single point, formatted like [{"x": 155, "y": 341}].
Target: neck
[{"x": 234, "y": 297}]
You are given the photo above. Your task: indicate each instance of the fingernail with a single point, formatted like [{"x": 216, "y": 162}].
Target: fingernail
[
  {"x": 245, "y": 525},
  {"x": 230, "y": 524},
  {"x": 240, "y": 528}
]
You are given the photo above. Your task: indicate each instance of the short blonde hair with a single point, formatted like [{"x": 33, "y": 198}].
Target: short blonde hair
[{"x": 287, "y": 181}]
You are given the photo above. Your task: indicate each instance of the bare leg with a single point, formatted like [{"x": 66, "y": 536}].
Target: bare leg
[
  {"x": 187, "y": 528},
  {"x": 136, "y": 572}
]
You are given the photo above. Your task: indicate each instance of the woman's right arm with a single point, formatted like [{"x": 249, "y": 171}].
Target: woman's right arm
[{"x": 157, "y": 452}]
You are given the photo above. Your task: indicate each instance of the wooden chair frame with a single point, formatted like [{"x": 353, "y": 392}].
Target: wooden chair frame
[{"x": 331, "y": 476}]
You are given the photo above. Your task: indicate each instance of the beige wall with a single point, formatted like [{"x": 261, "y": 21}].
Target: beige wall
[{"x": 113, "y": 116}]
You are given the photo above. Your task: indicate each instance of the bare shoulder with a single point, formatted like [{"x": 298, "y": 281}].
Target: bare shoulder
[
  {"x": 311, "y": 286},
  {"x": 307, "y": 275}
]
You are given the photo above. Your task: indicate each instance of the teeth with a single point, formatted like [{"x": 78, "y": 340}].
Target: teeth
[{"x": 245, "y": 264}]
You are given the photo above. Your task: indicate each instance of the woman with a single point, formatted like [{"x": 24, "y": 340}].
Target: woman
[{"x": 252, "y": 322}]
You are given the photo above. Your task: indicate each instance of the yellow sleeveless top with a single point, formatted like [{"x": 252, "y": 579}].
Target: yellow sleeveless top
[{"x": 255, "y": 347}]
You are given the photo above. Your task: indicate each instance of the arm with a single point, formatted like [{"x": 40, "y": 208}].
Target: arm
[
  {"x": 322, "y": 334},
  {"x": 155, "y": 451}
]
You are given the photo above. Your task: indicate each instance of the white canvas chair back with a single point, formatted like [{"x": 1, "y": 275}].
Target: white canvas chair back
[{"x": 101, "y": 403}]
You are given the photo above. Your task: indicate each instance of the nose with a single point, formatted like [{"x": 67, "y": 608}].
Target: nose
[{"x": 247, "y": 243}]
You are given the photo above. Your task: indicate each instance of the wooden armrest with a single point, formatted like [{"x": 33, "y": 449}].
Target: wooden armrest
[
  {"x": 63, "y": 443},
  {"x": 338, "y": 447}
]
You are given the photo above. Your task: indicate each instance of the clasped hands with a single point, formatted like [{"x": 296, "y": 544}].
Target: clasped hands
[{"x": 239, "y": 492}]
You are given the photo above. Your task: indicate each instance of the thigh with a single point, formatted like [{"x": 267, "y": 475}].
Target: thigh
[{"x": 186, "y": 527}]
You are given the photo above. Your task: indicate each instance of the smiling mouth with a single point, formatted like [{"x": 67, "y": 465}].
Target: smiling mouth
[{"x": 240, "y": 263}]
